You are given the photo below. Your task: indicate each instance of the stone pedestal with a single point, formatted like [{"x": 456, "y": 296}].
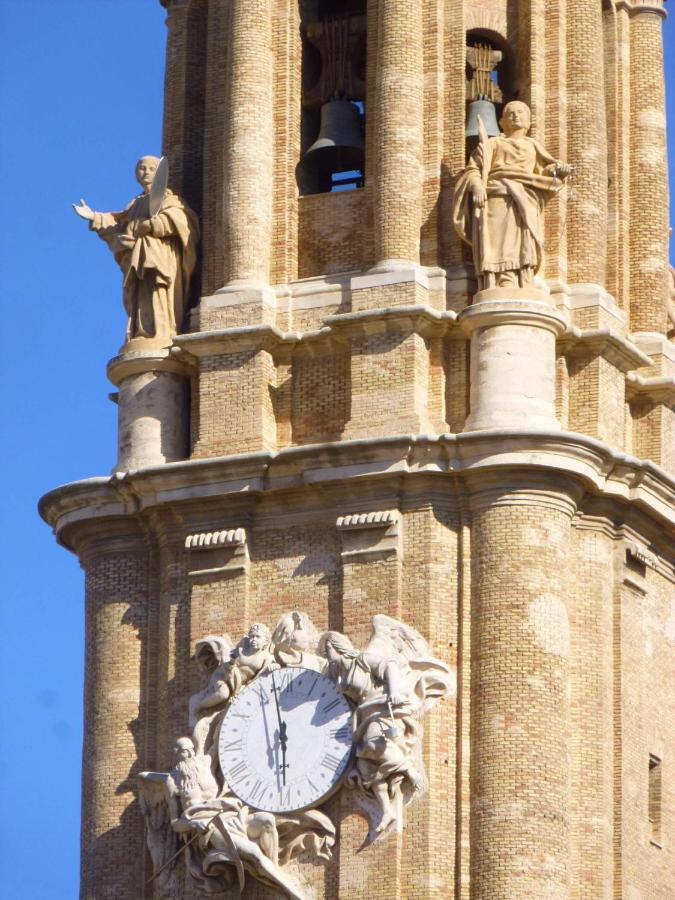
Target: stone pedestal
[
  {"x": 512, "y": 360},
  {"x": 152, "y": 401}
]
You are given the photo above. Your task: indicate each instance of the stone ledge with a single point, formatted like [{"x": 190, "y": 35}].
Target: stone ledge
[
  {"x": 483, "y": 456},
  {"x": 660, "y": 389},
  {"x": 605, "y": 342}
]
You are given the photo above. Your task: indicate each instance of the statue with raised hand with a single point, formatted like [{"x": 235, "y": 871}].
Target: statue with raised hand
[{"x": 154, "y": 242}]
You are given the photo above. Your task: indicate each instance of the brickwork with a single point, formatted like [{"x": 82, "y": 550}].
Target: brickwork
[
  {"x": 586, "y": 143},
  {"x": 332, "y": 233},
  {"x": 242, "y": 382},
  {"x": 520, "y": 640},
  {"x": 591, "y": 712},
  {"x": 646, "y": 713},
  {"x": 510, "y": 554},
  {"x": 249, "y": 143},
  {"x": 597, "y": 399},
  {"x": 398, "y": 116},
  {"x": 116, "y": 589},
  {"x": 648, "y": 232}
]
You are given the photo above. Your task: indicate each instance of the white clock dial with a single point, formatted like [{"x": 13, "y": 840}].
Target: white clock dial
[{"x": 290, "y": 756}]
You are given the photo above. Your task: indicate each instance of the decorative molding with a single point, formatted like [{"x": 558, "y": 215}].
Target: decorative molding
[
  {"x": 605, "y": 342},
  {"x": 206, "y": 539},
  {"x": 659, "y": 388},
  {"x": 218, "y": 551},
  {"x": 365, "y": 535},
  {"x": 639, "y": 555},
  {"x": 368, "y": 520}
]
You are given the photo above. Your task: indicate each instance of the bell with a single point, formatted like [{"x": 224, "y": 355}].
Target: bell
[
  {"x": 486, "y": 110},
  {"x": 339, "y": 146}
]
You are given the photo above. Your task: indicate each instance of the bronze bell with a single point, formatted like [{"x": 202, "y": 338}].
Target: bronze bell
[
  {"x": 486, "y": 110},
  {"x": 339, "y": 146}
]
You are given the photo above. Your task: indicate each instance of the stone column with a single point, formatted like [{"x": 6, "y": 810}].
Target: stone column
[
  {"x": 249, "y": 139},
  {"x": 513, "y": 354},
  {"x": 648, "y": 172},
  {"x": 586, "y": 226},
  {"x": 152, "y": 400},
  {"x": 519, "y": 691},
  {"x": 113, "y": 832},
  {"x": 371, "y": 561},
  {"x": 398, "y": 117},
  {"x": 185, "y": 78}
]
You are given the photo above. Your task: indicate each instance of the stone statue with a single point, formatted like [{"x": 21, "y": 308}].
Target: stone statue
[
  {"x": 392, "y": 682},
  {"x": 223, "y": 838},
  {"x": 499, "y": 198},
  {"x": 296, "y": 641},
  {"x": 226, "y": 669},
  {"x": 157, "y": 255}
]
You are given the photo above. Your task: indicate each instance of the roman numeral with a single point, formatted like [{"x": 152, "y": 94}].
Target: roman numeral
[
  {"x": 237, "y": 771},
  {"x": 331, "y": 762},
  {"x": 312, "y": 686},
  {"x": 342, "y": 734},
  {"x": 285, "y": 796},
  {"x": 257, "y": 791},
  {"x": 233, "y": 745},
  {"x": 331, "y": 706}
]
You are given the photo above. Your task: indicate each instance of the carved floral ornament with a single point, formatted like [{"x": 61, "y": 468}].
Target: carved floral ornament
[{"x": 284, "y": 720}]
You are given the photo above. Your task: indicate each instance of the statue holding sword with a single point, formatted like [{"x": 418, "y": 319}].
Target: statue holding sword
[
  {"x": 154, "y": 242},
  {"x": 499, "y": 199}
]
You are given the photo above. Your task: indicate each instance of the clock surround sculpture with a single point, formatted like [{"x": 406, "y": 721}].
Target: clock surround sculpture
[{"x": 284, "y": 720}]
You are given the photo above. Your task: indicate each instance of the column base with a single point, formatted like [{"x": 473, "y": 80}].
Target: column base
[
  {"x": 153, "y": 396},
  {"x": 513, "y": 353}
]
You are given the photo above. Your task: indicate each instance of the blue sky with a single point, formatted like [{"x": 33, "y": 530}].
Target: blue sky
[{"x": 81, "y": 88}]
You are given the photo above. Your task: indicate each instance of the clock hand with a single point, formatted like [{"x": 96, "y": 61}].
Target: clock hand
[{"x": 283, "y": 737}]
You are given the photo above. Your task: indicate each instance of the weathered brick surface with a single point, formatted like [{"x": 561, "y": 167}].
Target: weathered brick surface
[{"x": 538, "y": 770}]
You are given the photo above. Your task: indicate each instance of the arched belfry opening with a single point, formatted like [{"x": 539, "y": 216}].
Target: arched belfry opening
[
  {"x": 333, "y": 96},
  {"x": 490, "y": 83}
]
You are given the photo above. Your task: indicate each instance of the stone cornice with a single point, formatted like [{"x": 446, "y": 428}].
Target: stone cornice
[
  {"x": 659, "y": 388},
  {"x": 638, "y": 6},
  {"x": 605, "y": 342},
  {"x": 475, "y": 459}
]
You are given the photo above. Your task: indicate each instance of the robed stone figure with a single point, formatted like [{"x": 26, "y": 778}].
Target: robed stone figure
[
  {"x": 156, "y": 253},
  {"x": 499, "y": 199}
]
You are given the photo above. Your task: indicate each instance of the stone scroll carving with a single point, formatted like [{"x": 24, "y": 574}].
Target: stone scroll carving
[
  {"x": 154, "y": 242},
  {"x": 283, "y": 720},
  {"x": 499, "y": 198}
]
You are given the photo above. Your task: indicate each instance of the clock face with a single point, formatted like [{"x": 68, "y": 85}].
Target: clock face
[{"x": 290, "y": 756}]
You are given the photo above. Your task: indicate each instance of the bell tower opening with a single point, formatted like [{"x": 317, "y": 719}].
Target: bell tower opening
[
  {"x": 489, "y": 83},
  {"x": 333, "y": 96}
]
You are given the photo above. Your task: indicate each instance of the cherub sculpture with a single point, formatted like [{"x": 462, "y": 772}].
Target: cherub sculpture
[
  {"x": 226, "y": 668},
  {"x": 295, "y": 641},
  {"x": 392, "y": 682},
  {"x": 156, "y": 251},
  {"x": 499, "y": 198}
]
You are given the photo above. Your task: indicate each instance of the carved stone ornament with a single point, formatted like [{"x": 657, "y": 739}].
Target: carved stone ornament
[
  {"x": 499, "y": 198},
  {"x": 283, "y": 721},
  {"x": 154, "y": 242}
]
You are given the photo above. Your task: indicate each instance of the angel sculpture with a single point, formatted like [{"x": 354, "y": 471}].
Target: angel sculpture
[
  {"x": 394, "y": 681},
  {"x": 223, "y": 839}
]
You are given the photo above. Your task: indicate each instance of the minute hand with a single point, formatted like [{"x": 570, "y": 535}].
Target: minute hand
[{"x": 283, "y": 737}]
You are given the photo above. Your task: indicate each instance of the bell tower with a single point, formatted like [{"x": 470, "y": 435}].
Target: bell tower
[{"x": 424, "y": 374}]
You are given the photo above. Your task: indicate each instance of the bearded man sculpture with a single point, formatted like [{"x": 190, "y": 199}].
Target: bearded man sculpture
[
  {"x": 157, "y": 256},
  {"x": 499, "y": 198}
]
